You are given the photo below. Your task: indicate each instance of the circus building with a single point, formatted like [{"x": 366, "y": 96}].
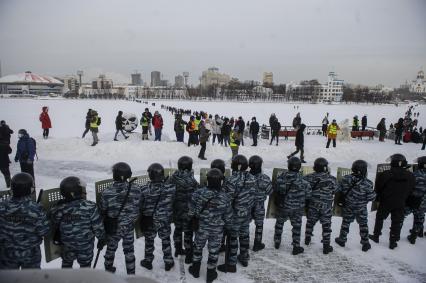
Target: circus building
[{"x": 29, "y": 83}]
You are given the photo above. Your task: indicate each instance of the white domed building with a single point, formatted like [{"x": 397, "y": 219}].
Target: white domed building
[
  {"x": 30, "y": 83},
  {"x": 419, "y": 85}
]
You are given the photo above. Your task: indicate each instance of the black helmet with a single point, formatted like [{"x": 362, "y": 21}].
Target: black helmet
[
  {"x": 321, "y": 165},
  {"x": 255, "y": 164},
  {"x": 121, "y": 172},
  {"x": 239, "y": 163},
  {"x": 21, "y": 185},
  {"x": 71, "y": 188},
  {"x": 218, "y": 164},
  {"x": 359, "y": 168},
  {"x": 214, "y": 179},
  {"x": 185, "y": 163},
  {"x": 156, "y": 172},
  {"x": 421, "y": 161},
  {"x": 294, "y": 164},
  {"x": 398, "y": 160}
]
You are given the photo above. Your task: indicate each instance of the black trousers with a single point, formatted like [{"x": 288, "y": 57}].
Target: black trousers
[
  {"x": 85, "y": 132},
  {"x": 45, "y": 133},
  {"x": 328, "y": 143},
  {"x": 324, "y": 130},
  {"x": 274, "y": 135},
  {"x": 397, "y": 217},
  {"x": 28, "y": 168},
  {"x": 398, "y": 138},
  {"x": 202, "y": 150},
  {"x": 6, "y": 173},
  {"x": 299, "y": 148},
  {"x": 254, "y": 136}
]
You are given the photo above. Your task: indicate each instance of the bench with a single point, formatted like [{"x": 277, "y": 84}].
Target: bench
[
  {"x": 287, "y": 133},
  {"x": 361, "y": 134}
]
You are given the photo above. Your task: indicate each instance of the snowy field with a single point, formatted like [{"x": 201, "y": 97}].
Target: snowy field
[{"x": 65, "y": 153}]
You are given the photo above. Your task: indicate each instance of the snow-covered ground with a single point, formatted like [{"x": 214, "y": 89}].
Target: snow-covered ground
[{"x": 66, "y": 153}]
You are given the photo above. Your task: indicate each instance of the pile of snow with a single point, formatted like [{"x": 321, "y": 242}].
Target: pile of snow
[{"x": 65, "y": 153}]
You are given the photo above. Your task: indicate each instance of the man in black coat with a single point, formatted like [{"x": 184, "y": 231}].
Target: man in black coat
[
  {"x": 87, "y": 122},
  {"x": 300, "y": 143},
  {"x": 364, "y": 122},
  {"x": 119, "y": 125},
  {"x": 5, "y": 150},
  {"x": 275, "y": 130},
  {"x": 241, "y": 126},
  {"x": 254, "y": 130},
  {"x": 392, "y": 188},
  {"x": 5, "y": 132}
]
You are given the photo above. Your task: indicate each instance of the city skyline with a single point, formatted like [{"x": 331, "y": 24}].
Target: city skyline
[{"x": 364, "y": 42}]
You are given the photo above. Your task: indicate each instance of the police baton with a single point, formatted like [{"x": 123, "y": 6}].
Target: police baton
[
  {"x": 97, "y": 257},
  {"x": 40, "y": 194}
]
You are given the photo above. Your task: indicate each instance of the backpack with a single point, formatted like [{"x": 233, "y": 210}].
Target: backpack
[
  {"x": 35, "y": 145},
  {"x": 99, "y": 121}
]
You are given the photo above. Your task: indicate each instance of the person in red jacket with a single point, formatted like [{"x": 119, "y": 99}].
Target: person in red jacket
[
  {"x": 45, "y": 122},
  {"x": 157, "y": 122}
]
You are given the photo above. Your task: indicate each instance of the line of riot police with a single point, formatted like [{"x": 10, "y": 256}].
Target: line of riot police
[{"x": 224, "y": 206}]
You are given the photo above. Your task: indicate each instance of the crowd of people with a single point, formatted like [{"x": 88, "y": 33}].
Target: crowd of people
[{"x": 209, "y": 213}]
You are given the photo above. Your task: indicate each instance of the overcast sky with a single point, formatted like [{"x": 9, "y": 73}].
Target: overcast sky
[{"x": 364, "y": 41}]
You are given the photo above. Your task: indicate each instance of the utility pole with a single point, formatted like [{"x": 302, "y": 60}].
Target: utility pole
[{"x": 80, "y": 74}]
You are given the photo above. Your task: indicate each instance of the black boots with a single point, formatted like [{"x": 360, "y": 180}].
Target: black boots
[
  {"x": 227, "y": 268},
  {"x": 211, "y": 274},
  {"x": 258, "y": 246},
  {"x": 374, "y": 238},
  {"x": 340, "y": 242},
  {"x": 169, "y": 265},
  {"x": 297, "y": 250},
  {"x": 110, "y": 268},
  {"x": 179, "y": 251},
  {"x": 392, "y": 244},
  {"x": 147, "y": 264},
  {"x": 366, "y": 247},
  {"x": 326, "y": 249},
  {"x": 243, "y": 261},
  {"x": 307, "y": 240},
  {"x": 412, "y": 238},
  {"x": 194, "y": 269}
]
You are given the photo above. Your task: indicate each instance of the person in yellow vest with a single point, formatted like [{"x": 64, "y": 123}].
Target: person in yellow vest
[
  {"x": 145, "y": 125},
  {"x": 94, "y": 125},
  {"x": 332, "y": 133},
  {"x": 197, "y": 130},
  {"x": 234, "y": 142}
]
